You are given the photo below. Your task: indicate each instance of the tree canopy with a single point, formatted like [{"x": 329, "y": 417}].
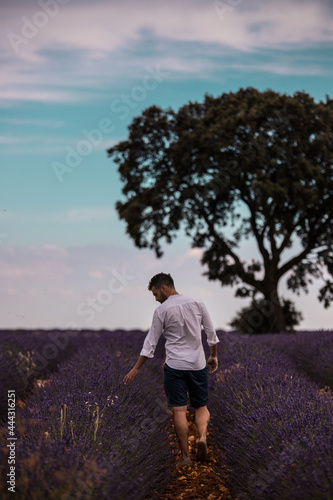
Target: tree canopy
[{"x": 241, "y": 165}]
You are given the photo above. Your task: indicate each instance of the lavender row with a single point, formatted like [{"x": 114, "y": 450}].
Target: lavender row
[
  {"x": 30, "y": 355},
  {"x": 27, "y": 356},
  {"x": 311, "y": 351},
  {"x": 86, "y": 435},
  {"x": 272, "y": 425}
]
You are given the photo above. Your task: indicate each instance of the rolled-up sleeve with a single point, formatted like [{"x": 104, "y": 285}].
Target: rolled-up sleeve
[
  {"x": 208, "y": 326},
  {"x": 152, "y": 337}
]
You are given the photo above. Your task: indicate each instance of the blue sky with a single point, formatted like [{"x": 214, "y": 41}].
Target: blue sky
[{"x": 73, "y": 75}]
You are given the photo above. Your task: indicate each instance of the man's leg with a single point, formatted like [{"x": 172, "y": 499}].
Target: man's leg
[
  {"x": 176, "y": 392},
  {"x": 181, "y": 427},
  {"x": 202, "y": 417}
]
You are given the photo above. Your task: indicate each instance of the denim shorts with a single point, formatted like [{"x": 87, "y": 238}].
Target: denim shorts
[{"x": 178, "y": 382}]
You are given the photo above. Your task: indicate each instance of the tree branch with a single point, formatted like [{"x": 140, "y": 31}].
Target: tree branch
[
  {"x": 259, "y": 236},
  {"x": 293, "y": 262},
  {"x": 285, "y": 241},
  {"x": 246, "y": 277}
]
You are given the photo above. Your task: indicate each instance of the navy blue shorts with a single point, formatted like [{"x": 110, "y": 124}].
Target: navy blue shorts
[{"x": 178, "y": 382}]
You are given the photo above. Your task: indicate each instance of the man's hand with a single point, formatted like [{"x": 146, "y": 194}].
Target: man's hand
[
  {"x": 128, "y": 379},
  {"x": 212, "y": 363},
  {"x": 133, "y": 373}
]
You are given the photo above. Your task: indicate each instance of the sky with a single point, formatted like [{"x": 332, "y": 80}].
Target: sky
[{"x": 73, "y": 75}]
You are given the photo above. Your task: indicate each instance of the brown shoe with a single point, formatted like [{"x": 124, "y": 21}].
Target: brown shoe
[
  {"x": 202, "y": 451},
  {"x": 184, "y": 461}
]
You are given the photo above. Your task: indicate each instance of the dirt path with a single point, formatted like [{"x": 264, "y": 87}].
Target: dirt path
[{"x": 198, "y": 481}]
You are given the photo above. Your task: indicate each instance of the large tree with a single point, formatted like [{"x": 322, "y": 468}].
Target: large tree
[{"x": 242, "y": 165}]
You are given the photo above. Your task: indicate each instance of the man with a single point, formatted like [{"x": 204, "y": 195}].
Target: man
[{"x": 179, "y": 319}]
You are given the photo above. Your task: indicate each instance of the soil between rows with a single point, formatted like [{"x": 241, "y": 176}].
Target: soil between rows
[{"x": 198, "y": 481}]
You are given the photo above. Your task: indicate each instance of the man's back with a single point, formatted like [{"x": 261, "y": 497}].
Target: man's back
[{"x": 179, "y": 319}]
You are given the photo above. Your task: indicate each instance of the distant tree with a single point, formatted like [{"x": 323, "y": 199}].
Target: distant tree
[
  {"x": 242, "y": 165},
  {"x": 256, "y": 318}
]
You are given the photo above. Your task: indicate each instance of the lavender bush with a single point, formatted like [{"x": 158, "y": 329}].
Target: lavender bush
[
  {"x": 86, "y": 435},
  {"x": 26, "y": 356},
  {"x": 274, "y": 426},
  {"x": 311, "y": 351}
]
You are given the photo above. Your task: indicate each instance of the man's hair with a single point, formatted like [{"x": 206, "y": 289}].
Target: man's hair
[{"x": 161, "y": 279}]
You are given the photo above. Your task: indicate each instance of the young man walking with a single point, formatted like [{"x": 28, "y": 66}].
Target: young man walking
[{"x": 179, "y": 319}]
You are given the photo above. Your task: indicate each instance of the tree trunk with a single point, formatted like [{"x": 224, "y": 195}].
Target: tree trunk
[
  {"x": 276, "y": 317},
  {"x": 278, "y": 324}
]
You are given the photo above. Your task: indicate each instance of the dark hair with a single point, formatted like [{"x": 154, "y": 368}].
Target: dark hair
[{"x": 161, "y": 279}]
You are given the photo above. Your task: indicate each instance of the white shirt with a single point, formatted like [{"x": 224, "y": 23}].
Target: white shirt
[{"x": 179, "y": 319}]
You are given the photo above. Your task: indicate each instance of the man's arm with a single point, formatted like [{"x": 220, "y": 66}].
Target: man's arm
[
  {"x": 133, "y": 373},
  {"x": 212, "y": 339},
  {"x": 148, "y": 348},
  {"x": 212, "y": 360}
]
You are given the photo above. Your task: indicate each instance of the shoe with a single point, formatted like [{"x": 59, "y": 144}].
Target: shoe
[
  {"x": 202, "y": 451},
  {"x": 184, "y": 461}
]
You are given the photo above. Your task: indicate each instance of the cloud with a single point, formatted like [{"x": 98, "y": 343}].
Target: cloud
[
  {"x": 283, "y": 68},
  {"x": 86, "y": 214},
  {"x": 15, "y": 272},
  {"x": 6, "y": 139},
  {"x": 194, "y": 252},
  {"x": 32, "y": 122},
  {"x": 89, "y": 45},
  {"x": 47, "y": 96},
  {"x": 54, "y": 250},
  {"x": 103, "y": 27},
  {"x": 33, "y": 142},
  {"x": 189, "y": 257},
  {"x": 30, "y": 267},
  {"x": 47, "y": 142},
  {"x": 68, "y": 216},
  {"x": 42, "y": 286},
  {"x": 69, "y": 293},
  {"x": 96, "y": 274}
]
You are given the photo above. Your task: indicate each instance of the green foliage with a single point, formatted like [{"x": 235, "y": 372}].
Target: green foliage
[
  {"x": 258, "y": 317},
  {"x": 241, "y": 165}
]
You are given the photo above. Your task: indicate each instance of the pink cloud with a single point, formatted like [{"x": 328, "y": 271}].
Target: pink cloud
[
  {"x": 103, "y": 29},
  {"x": 48, "y": 286}
]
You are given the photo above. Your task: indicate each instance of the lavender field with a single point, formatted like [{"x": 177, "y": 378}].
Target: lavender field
[
  {"x": 82, "y": 434},
  {"x": 273, "y": 422}
]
